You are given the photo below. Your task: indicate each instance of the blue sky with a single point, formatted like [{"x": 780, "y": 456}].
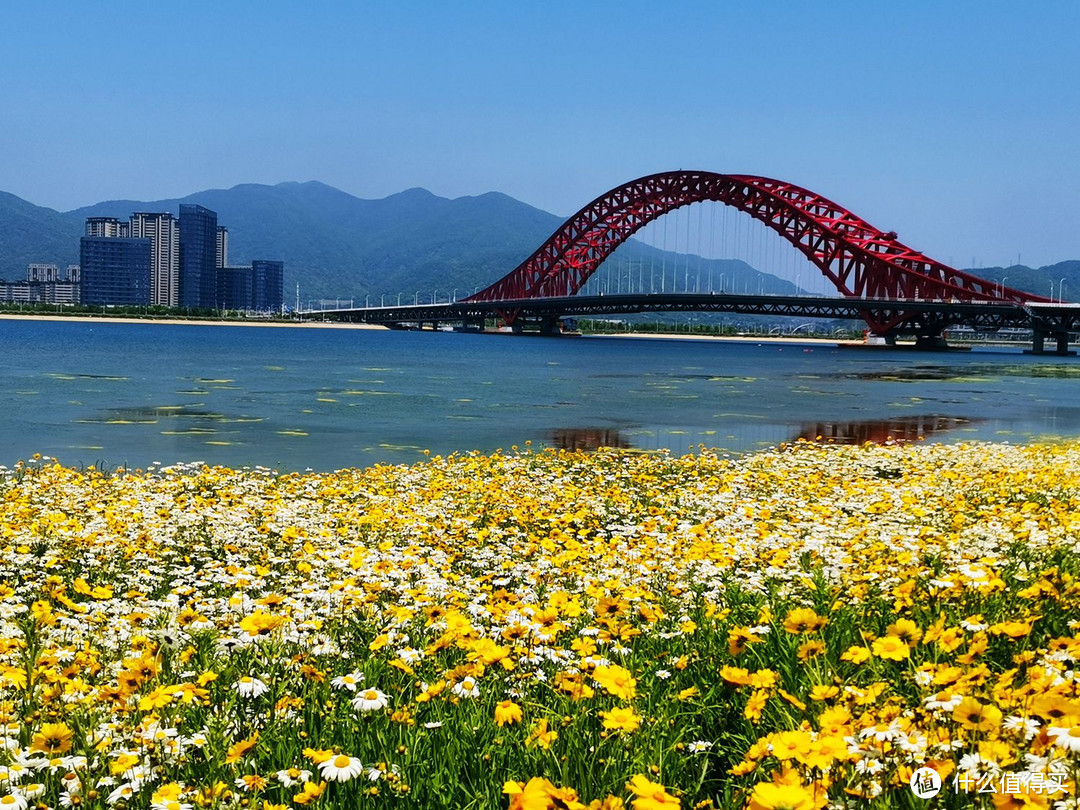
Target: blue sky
[{"x": 957, "y": 124}]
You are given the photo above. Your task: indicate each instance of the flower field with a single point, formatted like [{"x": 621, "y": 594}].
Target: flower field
[{"x": 795, "y": 629}]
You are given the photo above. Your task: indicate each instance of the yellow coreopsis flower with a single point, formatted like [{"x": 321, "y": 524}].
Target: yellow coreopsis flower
[
  {"x": 769, "y": 796},
  {"x": 756, "y": 705},
  {"x": 906, "y": 630},
  {"x": 972, "y": 714},
  {"x": 52, "y": 738},
  {"x": 651, "y": 795},
  {"x": 621, "y": 719},
  {"x": 803, "y": 620},
  {"x": 856, "y": 655},
  {"x": 541, "y": 736},
  {"x": 616, "y": 681},
  {"x": 507, "y": 712},
  {"x": 310, "y": 792},
  {"x": 891, "y": 648},
  {"x": 239, "y": 749}
]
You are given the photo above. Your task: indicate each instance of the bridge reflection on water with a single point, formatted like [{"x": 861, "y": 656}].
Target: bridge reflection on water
[{"x": 895, "y": 430}]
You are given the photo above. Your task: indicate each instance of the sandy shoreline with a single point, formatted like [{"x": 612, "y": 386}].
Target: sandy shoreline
[
  {"x": 340, "y": 325},
  {"x": 192, "y": 322}
]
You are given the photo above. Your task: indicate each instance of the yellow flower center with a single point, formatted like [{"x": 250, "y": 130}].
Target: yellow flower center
[{"x": 341, "y": 761}]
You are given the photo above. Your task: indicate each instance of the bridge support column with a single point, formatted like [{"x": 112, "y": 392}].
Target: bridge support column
[
  {"x": 1061, "y": 341},
  {"x": 873, "y": 339},
  {"x": 930, "y": 342},
  {"x": 549, "y": 325}
]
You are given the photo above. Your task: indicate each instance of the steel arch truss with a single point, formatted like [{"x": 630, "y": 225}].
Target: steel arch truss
[{"x": 860, "y": 260}]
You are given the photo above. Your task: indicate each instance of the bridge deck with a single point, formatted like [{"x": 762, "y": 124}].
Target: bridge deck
[{"x": 922, "y": 316}]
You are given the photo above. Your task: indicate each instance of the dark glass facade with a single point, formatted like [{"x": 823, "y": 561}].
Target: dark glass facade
[
  {"x": 198, "y": 257},
  {"x": 114, "y": 270},
  {"x": 234, "y": 288},
  {"x": 267, "y": 285}
]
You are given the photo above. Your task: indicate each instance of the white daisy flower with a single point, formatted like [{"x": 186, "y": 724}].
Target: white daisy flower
[
  {"x": 341, "y": 768},
  {"x": 466, "y": 688},
  {"x": 293, "y": 776},
  {"x": 370, "y": 700},
  {"x": 349, "y": 681},
  {"x": 251, "y": 687},
  {"x": 699, "y": 746},
  {"x": 1067, "y": 738}
]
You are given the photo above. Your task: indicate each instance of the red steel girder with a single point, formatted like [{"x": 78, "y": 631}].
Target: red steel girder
[{"x": 860, "y": 260}]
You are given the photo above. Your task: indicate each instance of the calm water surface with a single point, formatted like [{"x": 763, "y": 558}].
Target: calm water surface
[{"x": 113, "y": 393}]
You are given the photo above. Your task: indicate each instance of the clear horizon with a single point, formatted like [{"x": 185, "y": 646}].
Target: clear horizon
[{"x": 953, "y": 125}]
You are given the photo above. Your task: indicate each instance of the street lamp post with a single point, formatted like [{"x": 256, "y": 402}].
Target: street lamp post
[
  {"x": 1001, "y": 287},
  {"x": 1061, "y": 291},
  {"x": 416, "y": 299},
  {"x": 382, "y": 300},
  {"x": 455, "y": 295},
  {"x": 399, "y": 298}
]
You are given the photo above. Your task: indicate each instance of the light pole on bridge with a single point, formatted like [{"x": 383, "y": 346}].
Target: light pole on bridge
[
  {"x": 1061, "y": 291},
  {"x": 399, "y": 298},
  {"x": 455, "y": 295}
]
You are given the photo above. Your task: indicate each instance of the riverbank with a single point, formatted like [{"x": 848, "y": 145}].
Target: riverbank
[
  {"x": 490, "y": 623},
  {"x": 191, "y": 321}
]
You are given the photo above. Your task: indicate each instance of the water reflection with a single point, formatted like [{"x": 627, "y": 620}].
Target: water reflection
[
  {"x": 587, "y": 438},
  {"x": 880, "y": 431}
]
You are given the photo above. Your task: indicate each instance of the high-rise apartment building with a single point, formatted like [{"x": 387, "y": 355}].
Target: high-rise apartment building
[
  {"x": 115, "y": 270},
  {"x": 222, "y": 246},
  {"x": 198, "y": 257},
  {"x": 267, "y": 285},
  {"x": 163, "y": 231},
  {"x": 42, "y": 272},
  {"x": 107, "y": 226},
  {"x": 73, "y": 273},
  {"x": 234, "y": 288}
]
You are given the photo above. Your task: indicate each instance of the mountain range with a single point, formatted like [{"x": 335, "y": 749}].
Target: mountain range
[{"x": 335, "y": 245}]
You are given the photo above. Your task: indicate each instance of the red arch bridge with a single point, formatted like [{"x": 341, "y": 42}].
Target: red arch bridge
[{"x": 895, "y": 289}]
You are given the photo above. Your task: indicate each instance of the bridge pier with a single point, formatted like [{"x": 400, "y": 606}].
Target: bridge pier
[
  {"x": 873, "y": 339},
  {"x": 549, "y": 325},
  {"x": 931, "y": 342},
  {"x": 1038, "y": 343}
]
